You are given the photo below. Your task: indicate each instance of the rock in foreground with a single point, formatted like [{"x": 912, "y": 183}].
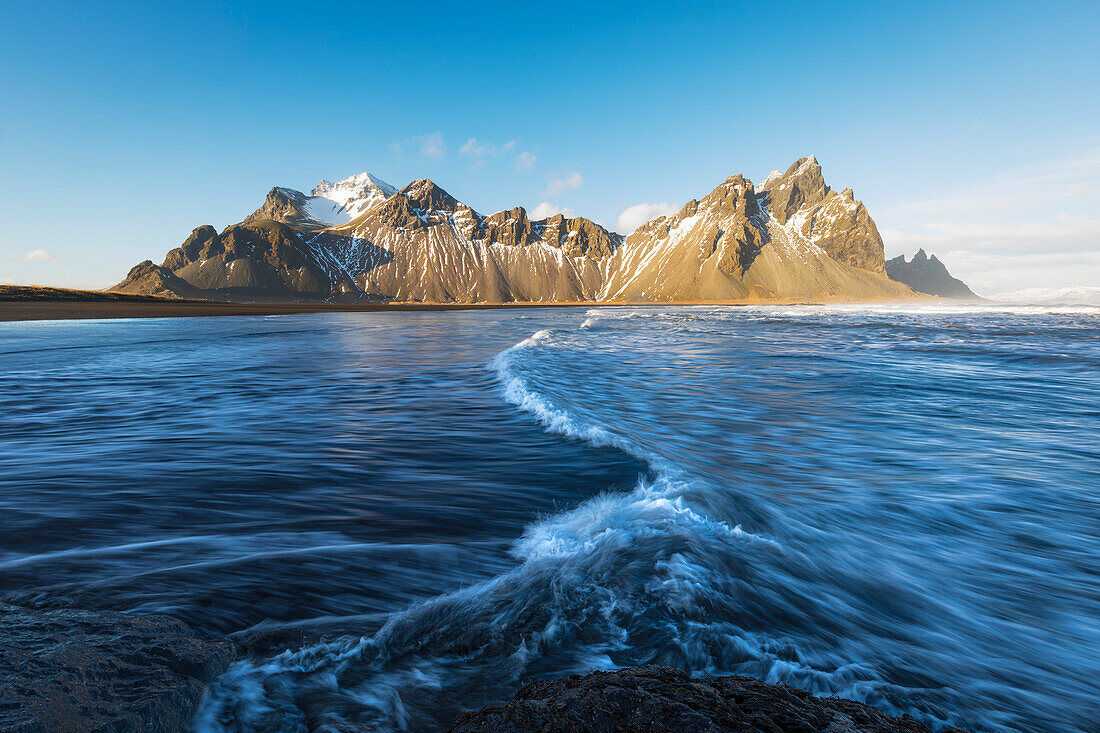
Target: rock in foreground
[
  {"x": 653, "y": 698},
  {"x": 70, "y": 670}
]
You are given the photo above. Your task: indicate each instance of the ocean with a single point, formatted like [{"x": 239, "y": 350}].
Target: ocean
[{"x": 401, "y": 516}]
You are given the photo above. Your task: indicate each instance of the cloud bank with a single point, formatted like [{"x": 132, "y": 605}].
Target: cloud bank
[
  {"x": 1027, "y": 227},
  {"x": 638, "y": 214}
]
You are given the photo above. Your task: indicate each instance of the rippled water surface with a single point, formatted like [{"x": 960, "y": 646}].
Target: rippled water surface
[{"x": 405, "y": 515}]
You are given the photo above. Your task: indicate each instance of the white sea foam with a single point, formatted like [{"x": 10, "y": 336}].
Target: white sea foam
[
  {"x": 567, "y": 566},
  {"x": 557, "y": 420},
  {"x": 655, "y": 565},
  {"x": 915, "y": 308},
  {"x": 612, "y": 519}
]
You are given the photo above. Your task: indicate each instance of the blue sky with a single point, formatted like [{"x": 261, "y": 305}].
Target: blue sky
[{"x": 970, "y": 129}]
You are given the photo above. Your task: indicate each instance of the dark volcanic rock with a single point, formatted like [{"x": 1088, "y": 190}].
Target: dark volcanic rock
[
  {"x": 653, "y": 698},
  {"x": 928, "y": 275},
  {"x": 69, "y": 670}
]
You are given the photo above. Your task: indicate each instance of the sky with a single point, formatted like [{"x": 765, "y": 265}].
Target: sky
[{"x": 969, "y": 129}]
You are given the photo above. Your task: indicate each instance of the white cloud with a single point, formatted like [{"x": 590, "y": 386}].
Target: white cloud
[
  {"x": 638, "y": 214},
  {"x": 1033, "y": 226},
  {"x": 473, "y": 148},
  {"x": 564, "y": 183},
  {"x": 7, "y": 281},
  {"x": 547, "y": 209},
  {"x": 430, "y": 145},
  {"x": 39, "y": 255},
  {"x": 525, "y": 161}
]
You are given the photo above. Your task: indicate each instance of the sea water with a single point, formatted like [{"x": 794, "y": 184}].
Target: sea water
[{"x": 401, "y": 516}]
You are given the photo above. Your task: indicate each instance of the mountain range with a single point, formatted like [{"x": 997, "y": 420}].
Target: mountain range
[{"x": 361, "y": 239}]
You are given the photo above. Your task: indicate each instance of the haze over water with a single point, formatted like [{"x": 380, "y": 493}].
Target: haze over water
[{"x": 405, "y": 515}]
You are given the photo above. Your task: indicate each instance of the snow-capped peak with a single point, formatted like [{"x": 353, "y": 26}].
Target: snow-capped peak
[
  {"x": 354, "y": 187},
  {"x": 770, "y": 178},
  {"x": 340, "y": 202}
]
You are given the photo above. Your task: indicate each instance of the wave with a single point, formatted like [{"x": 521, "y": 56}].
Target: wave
[
  {"x": 618, "y": 580},
  {"x": 590, "y": 584},
  {"x": 583, "y": 578},
  {"x": 516, "y": 390}
]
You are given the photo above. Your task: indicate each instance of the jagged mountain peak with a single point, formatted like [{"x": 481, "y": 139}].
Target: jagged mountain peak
[
  {"x": 770, "y": 179},
  {"x": 807, "y": 163},
  {"x": 790, "y": 237},
  {"x": 926, "y": 274},
  {"x": 736, "y": 196},
  {"x": 801, "y": 186},
  {"x": 282, "y": 204},
  {"x": 329, "y": 205},
  {"x": 518, "y": 213},
  {"x": 350, "y": 198},
  {"x": 429, "y": 196},
  {"x": 353, "y": 186}
]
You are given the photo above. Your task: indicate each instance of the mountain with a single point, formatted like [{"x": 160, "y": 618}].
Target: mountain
[
  {"x": 835, "y": 222},
  {"x": 361, "y": 239},
  {"x": 327, "y": 205},
  {"x": 928, "y": 275}
]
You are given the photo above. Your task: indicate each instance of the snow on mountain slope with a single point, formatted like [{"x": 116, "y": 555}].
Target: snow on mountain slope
[
  {"x": 330, "y": 204},
  {"x": 836, "y": 222},
  {"x": 424, "y": 245},
  {"x": 701, "y": 252},
  {"x": 729, "y": 246},
  {"x": 340, "y": 202},
  {"x": 359, "y": 238}
]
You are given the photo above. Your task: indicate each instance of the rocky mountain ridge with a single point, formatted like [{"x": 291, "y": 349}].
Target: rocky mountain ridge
[
  {"x": 928, "y": 275},
  {"x": 362, "y": 240}
]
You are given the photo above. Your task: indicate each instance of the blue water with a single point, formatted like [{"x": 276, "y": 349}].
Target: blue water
[{"x": 405, "y": 515}]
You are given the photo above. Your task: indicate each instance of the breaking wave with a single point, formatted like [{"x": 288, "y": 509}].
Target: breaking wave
[{"x": 699, "y": 566}]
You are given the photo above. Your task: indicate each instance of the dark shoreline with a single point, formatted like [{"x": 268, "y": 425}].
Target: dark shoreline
[
  {"x": 56, "y": 304},
  {"x": 61, "y": 310},
  {"x": 58, "y": 310}
]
